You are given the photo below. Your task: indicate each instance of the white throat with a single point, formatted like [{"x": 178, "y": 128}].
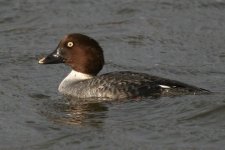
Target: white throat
[
  {"x": 71, "y": 78},
  {"x": 75, "y": 75}
]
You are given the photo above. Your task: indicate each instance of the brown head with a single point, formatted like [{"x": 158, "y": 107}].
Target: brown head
[{"x": 81, "y": 52}]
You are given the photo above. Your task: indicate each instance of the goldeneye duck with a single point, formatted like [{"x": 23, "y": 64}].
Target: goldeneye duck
[{"x": 85, "y": 56}]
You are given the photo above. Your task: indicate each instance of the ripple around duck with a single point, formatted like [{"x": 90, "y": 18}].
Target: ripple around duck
[{"x": 216, "y": 4}]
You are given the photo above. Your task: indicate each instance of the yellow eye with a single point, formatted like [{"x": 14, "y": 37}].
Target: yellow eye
[{"x": 70, "y": 44}]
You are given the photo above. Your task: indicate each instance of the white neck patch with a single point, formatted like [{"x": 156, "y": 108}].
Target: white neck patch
[{"x": 75, "y": 75}]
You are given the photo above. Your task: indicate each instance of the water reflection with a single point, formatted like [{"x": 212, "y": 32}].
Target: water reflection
[{"x": 76, "y": 112}]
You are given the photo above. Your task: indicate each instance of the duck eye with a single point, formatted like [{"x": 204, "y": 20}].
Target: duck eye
[{"x": 70, "y": 44}]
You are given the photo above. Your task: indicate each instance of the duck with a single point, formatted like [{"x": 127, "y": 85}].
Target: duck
[{"x": 85, "y": 57}]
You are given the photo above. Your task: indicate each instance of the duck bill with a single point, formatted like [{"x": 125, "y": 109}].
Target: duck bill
[{"x": 53, "y": 58}]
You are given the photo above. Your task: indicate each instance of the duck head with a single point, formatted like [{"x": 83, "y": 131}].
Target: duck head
[{"x": 79, "y": 51}]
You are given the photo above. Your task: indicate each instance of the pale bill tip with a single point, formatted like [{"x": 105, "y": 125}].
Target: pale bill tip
[{"x": 41, "y": 61}]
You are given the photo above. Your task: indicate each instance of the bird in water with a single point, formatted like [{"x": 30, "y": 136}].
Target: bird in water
[{"x": 85, "y": 56}]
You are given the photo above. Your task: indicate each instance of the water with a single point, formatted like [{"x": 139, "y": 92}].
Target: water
[{"x": 176, "y": 39}]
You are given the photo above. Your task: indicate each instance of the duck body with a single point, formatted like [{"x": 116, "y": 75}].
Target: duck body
[
  {"x": 86, "y": 59},
  {"x": 124, "y": 84}
]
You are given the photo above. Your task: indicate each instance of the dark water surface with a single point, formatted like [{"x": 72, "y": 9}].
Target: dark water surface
[{"x": 176, "y": 39}]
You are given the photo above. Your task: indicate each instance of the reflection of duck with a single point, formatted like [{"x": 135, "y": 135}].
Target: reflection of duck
[
  {"x": 78, "y": 113},
  {"x": 85, "y": 56}
]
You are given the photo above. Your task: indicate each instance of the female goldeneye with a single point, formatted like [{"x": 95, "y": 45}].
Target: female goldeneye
[{"x": 85, "y": 56}]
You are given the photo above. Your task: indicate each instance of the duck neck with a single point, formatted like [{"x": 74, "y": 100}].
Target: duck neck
[
  {"x": 72, "y": 77},
  {"x": 77, "y": 76}
]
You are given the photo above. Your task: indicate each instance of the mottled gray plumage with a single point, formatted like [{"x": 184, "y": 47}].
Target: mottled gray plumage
[{"x": 126, "y": 84}]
